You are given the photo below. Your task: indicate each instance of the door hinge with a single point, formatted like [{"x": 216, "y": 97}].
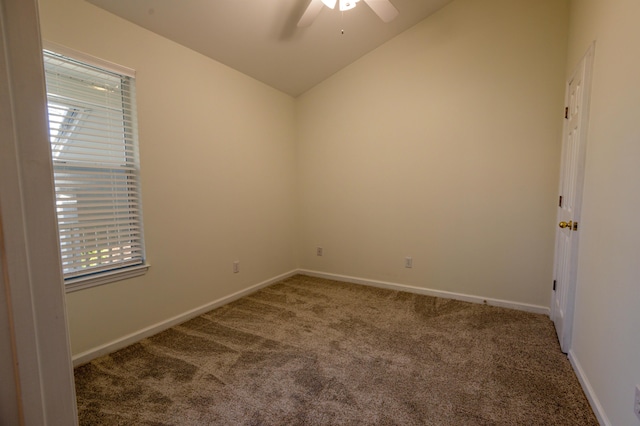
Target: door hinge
[
  {"x": 575, "y": 226},
  {"x": 560, "y": 202},
  {"x": 566, "y": 112},
  {"x": 554, "y": 285}
]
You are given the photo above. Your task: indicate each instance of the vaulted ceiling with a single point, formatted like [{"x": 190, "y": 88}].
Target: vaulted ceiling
[{"x": 261, "y": 38}]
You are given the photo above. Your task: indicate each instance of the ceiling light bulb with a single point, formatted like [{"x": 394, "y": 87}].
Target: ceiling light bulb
[{"x": 330, "y": 3}]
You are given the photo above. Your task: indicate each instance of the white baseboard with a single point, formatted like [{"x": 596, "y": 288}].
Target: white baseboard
[
  {"x": 84, "y": 357},
  {"x": 588, "y": 390},
  {"x": 428, "y": 292}
]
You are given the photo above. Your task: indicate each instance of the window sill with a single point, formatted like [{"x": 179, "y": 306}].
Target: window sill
[{"x": 82, "y": 283}]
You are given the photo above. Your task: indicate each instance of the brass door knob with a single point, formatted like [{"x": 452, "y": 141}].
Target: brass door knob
[{"x": 566, "y": 224}]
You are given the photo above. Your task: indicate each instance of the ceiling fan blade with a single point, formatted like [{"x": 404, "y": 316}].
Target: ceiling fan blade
[
  {"x": 383, "y": 8},
  {"x": 330, "y": 3},
  {"x": 311, "y": 13}
]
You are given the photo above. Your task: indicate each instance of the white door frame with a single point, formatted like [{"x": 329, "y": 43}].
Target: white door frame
[
  {"x": 566, "y": 327},
  {"x": 35, "y": 360}
]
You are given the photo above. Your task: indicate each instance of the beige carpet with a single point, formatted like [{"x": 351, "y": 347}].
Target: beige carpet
[{"x": 309, "y": 351}]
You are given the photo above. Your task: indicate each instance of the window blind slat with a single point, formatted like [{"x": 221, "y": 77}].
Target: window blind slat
[
  {"x": 83, "y": 219},
  {"x": 94, "y": 119},
  {"x": 66, "y": 205},
  {"x": 92, "y": 210},
  {"x": 106, "y": 255},
  {"x": 63, "y": 168},
  {"x": 106, "y": 268},
  {"x": 97, "y": 226},
  {"x": 110, "y": 253},
  {"x": 69, "y": 245}
]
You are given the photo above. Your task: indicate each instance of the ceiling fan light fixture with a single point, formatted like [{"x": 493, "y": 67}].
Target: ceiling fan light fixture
[
  {"x": 347, "y": 4},
  {"x": 383, "y": 8},
  {"x": 330, "y": 3}
]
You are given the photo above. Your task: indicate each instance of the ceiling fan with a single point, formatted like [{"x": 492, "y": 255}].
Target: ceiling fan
[{"x": 383, "y": 8}]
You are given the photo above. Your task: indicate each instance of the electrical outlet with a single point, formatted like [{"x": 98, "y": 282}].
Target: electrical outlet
[
  {"x": 636, "y": 404},
  {"x": 236, "y": 266},
  {"x": 408, "y": 262},
  {"x": 319, "y": 251}
]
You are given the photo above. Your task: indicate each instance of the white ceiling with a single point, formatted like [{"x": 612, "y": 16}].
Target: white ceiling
[{"x": 260, "y": 38}]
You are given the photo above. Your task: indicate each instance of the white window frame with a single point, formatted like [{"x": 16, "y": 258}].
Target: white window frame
[{"x": 125, "y": 271}]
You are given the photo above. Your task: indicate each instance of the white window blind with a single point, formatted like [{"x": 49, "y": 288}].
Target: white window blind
[{"x": 93, "y": 136}]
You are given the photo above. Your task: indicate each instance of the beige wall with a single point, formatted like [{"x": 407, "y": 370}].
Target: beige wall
[
  {"x": 217, "y": 156},
  {"x": 442, "y": 145},
  {"x": 606, "y": 340}
]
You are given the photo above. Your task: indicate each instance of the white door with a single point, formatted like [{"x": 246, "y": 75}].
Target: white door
[{"x": 574, "y": 146}]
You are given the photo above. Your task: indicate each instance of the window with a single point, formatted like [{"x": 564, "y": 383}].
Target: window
[{"x": 93, "y": 136}]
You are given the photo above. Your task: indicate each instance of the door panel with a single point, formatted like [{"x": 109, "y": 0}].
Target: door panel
[{"x": 568, "y": 215}]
